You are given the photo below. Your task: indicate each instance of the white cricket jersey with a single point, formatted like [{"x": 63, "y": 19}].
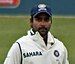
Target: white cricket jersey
[{"x": 31, "y": 49}]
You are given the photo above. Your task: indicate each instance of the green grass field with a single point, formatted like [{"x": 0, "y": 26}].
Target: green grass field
[{"x": 12, "y": 28}]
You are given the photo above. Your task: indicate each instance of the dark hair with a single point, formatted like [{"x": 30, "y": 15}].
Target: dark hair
[{"x": 31, "y": 19}]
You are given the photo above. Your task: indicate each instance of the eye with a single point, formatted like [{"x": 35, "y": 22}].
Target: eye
[
  {"x": 46, "y": 19},
  {"x": 38, "y": 19}
]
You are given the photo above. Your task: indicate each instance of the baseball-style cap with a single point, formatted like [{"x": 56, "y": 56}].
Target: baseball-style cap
[{"x": 39, "y": 9}]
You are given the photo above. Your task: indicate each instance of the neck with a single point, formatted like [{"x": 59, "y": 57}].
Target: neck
[{"x": 45, "y": 37}]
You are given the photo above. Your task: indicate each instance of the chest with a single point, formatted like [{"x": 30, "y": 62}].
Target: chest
[{"x": 35, "y": 54}]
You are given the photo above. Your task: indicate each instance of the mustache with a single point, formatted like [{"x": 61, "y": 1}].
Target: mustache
[{"x": 42, "y": 28}]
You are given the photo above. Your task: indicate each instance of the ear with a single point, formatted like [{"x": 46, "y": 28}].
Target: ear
[{"x": 30, "y": 20}]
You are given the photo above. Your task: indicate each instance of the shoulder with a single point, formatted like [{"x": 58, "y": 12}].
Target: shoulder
[
  {"x": 15, "y": 45},
  {"x": 60, "y": 44},
  {"x": 22, "y": 39},
  {"x": 14, "y": 49},
  {"x": 58, "y": 41}
]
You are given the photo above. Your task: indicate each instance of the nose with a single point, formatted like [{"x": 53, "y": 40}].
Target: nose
[{"x": 43, "y": 22}]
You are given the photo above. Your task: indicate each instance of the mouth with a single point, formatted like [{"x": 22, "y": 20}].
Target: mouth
[{"x": 43, "y": 30}]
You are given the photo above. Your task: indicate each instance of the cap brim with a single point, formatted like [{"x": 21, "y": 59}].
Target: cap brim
[{"x": 41, "y": 12}]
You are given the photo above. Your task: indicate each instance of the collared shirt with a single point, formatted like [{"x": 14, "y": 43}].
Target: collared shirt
[{"x": 34, "y": 50}]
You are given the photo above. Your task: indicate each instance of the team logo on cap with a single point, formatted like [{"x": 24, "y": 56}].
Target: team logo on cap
[
  {"x": 41, "y": 7},
  {"x": 56, "y": 53}
]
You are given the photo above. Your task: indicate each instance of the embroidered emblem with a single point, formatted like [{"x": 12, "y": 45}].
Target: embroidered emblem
[
  {"x": 41, "y": 7},
  {"x": 56, "y": 53}
]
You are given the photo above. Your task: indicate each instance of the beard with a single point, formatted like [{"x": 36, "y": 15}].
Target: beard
[{"x": 43, "y": 31}]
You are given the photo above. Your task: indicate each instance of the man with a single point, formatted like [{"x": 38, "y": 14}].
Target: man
[{"x": 39, "y": 46}]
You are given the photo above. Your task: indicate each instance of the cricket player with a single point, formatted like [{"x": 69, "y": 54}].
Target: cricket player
[{"x": 39, "y": 46}]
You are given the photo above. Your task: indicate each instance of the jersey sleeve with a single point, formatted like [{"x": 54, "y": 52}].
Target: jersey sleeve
[
  {"x": 14, "y": 55},
  {"x": 65, "y": 60}
]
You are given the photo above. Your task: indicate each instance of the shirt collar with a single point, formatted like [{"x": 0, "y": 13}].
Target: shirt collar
[{"x": 36, "y": 37}]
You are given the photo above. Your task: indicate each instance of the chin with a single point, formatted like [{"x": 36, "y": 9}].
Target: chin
[{"x": 43, "y": 33}]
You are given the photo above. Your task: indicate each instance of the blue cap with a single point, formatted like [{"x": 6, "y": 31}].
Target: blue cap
[{"x": 39, "y": 9}]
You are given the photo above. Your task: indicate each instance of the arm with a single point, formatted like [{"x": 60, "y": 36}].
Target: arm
[
  {"x": 65, "y": 60},
  {"x": 14, "y": 55}
]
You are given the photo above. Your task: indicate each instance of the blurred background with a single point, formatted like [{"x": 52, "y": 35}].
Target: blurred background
[
  {"x": 59, "y": 7},
  {"x": 14, "y": 23}
]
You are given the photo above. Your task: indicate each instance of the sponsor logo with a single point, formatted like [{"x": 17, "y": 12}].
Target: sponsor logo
[
  {"x": 29, "y": 54},
  {"x": 9, "y": 3}
]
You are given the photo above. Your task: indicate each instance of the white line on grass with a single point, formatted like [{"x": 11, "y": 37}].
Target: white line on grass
[{"x": 22, "y": 16}]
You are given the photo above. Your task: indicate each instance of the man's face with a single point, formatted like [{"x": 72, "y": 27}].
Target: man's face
[{"x": 41, "y": 23}]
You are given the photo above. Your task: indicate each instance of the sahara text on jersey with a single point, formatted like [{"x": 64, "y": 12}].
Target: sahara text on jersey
[{"x": 29, "y": 54}]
